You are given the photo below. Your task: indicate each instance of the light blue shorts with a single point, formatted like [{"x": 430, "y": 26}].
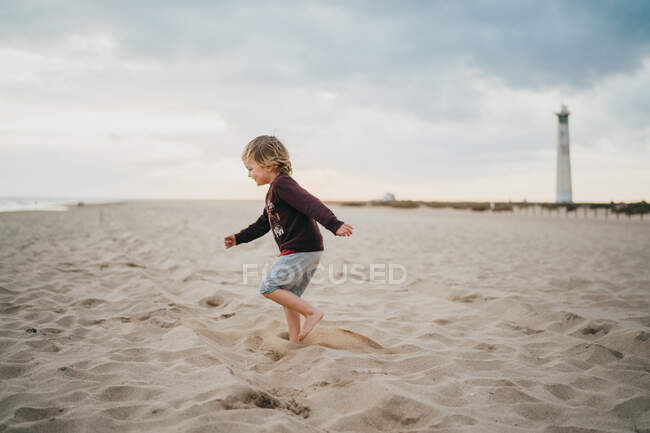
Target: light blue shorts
[{"x": 292, "y": 272}]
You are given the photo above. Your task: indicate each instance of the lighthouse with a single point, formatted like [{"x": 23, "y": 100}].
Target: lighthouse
[{"x": 563, "y": 182}]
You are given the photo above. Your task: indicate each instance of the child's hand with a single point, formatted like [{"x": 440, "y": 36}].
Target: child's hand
[
  {"x": 229, "y": 241},
  {"x": 344, "y": 230}
]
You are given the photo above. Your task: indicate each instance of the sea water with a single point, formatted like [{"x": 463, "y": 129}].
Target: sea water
[{"x": 14, "y": 204}]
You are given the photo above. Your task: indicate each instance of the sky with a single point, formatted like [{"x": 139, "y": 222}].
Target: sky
[{"x": 428, "y": 100}]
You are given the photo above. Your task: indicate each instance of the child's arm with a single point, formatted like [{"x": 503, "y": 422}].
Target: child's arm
[
  {"x": 300, "y": 199},
  {"x": 257, "y": 229}
]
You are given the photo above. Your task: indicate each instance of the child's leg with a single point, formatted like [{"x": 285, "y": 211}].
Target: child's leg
[
  {"x": 293, "y": 321},
  {"x": 312, "y": 315}
]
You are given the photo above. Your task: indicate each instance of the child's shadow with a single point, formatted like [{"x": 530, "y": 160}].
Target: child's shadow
[{"x": 340, "y": 339}]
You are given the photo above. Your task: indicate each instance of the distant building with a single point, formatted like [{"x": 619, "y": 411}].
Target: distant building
[
  {"x": 388, "y": 197},
  {"x": 563, "y": 193}
]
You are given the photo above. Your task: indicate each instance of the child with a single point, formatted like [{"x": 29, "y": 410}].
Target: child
[{"x": 289, "y": 211}]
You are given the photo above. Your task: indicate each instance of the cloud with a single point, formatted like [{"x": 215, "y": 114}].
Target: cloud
[
  {"x": 435, "y": 98},
  {"x": 529, "y": 43}
]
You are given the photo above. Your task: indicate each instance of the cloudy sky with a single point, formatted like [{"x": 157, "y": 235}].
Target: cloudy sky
[{"x": 434, "y": 100}]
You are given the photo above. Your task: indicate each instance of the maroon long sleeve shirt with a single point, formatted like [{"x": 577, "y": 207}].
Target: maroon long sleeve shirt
[{"x": 291, "y": 212}]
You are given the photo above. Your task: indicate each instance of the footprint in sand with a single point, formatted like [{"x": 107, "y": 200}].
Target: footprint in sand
[
  {"x": 248, "y": 398},
  {"x": 594, "y": 330},
  {"x": 36, "y": 414},
  {"x": 212, "y": 301},
  {"x": 471, "y": 298},
  {"x": 340, "y": 339}
]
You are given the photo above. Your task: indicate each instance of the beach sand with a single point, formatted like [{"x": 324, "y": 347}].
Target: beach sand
[{"x": 502, "y": 323}]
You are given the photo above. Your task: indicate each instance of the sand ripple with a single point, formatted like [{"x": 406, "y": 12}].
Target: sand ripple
[{"x": 133, "y": 318}]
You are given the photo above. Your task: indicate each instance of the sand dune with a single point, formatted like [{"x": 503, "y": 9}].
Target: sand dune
[{"x": 133, "y": 317}]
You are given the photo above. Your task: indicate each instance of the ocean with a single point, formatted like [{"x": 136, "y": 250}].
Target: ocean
[{"x": 16, "y": 204}]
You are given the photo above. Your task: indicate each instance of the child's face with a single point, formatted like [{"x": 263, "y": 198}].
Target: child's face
[{"x": 261, "y": 175}]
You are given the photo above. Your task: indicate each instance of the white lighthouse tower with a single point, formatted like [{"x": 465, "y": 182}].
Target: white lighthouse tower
[{"x": 563, "y": 182}]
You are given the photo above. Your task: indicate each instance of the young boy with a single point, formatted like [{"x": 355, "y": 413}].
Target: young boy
[{"x": 291, "y": 213}]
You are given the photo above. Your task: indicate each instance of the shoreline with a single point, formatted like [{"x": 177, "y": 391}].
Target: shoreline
[
  {"x": 588, "y": 210},
  {"x": 63, "y": 207}
]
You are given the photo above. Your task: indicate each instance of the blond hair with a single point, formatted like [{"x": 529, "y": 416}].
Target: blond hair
[{"x": 268, "y": 151}]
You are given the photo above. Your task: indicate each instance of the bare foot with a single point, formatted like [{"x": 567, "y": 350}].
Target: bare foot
[{"x": 311, "y": 321}]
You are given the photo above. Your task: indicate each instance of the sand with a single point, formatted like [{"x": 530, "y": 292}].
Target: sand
[{"x": 502, "y": 323}]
